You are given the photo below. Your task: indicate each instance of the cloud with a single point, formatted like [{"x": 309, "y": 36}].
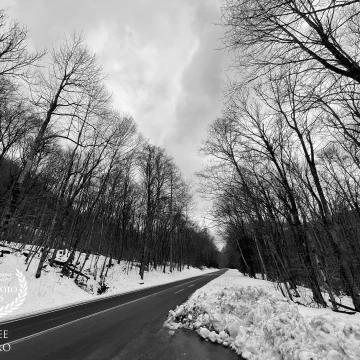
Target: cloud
[{"x": 199, "y": 101}]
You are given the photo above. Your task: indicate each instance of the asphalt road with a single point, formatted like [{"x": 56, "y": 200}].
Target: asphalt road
[{"x": 128, "y": 326}]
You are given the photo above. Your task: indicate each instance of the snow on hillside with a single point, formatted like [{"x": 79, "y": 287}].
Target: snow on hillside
[
  {"x": 257, "y": 322},
  {"x": 54, "y": 290}
]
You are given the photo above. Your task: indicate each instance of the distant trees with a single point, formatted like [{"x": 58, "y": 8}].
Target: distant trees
[
  {"x": 284, "y": 171},
  {"x": 166, "y": 197}
]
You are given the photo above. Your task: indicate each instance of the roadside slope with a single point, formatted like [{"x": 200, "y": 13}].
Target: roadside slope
[{"x": 53, "y": 290}]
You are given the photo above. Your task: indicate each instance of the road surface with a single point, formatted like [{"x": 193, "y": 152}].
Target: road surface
[{"x": 128, "y": 326}]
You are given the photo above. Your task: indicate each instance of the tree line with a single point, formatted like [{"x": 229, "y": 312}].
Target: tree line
[
  {"x": 284, "y": 156},
  {"x": 76, "y": 174}
]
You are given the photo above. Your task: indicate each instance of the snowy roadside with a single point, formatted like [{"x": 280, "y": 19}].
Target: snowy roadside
[
  {"x": 255, "y": 320},
  {"x": 52, "y": 290}
]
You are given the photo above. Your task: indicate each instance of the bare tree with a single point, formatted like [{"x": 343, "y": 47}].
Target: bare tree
[
  {"x": 16, "y": 119},
  {"x": 267, "y": 34},
  {"x": 72, "y": 92},
  {"x": 15, "y": 59}
]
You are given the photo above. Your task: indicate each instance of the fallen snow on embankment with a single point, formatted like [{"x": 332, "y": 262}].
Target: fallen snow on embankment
[
  {"x": 53, "y": 290},
  {"x": 257, "y": 322}
]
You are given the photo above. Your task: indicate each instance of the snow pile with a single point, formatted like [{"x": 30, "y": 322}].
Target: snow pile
[{"x": 260, "y": 324}]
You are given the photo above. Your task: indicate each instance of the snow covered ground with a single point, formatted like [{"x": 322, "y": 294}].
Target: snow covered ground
[
  {"x": 53, "y": 290},
  {"x": 255, "y": 320}
]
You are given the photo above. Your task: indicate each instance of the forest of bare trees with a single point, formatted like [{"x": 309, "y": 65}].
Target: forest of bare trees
[
  {"x": 76, "y": 174},
  {"x": 284, "y": 157}
]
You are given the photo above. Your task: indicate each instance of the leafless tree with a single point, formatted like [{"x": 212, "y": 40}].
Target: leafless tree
[
  {"x": 15, "y": 59},
  {"x": 72, "y": 92}
]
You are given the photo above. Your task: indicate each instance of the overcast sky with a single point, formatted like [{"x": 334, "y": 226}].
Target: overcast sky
[{"x": 160, "y": 56}]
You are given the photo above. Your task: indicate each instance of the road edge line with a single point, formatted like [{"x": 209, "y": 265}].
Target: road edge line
[
  {"x": 89, "y": 316},
  {"x": 93, "y": 300}
]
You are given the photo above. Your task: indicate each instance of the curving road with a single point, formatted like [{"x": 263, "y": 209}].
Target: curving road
[{"x": 128, "y": 326}]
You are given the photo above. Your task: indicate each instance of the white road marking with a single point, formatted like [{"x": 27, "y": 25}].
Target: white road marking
[
  {"x": 178, "y": 291},
  {"x": 191, "y": 285},
  {"x": 92, "y": 315}
]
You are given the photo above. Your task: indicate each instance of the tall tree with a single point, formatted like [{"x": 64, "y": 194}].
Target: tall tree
[{"x": 71, "y": 92}]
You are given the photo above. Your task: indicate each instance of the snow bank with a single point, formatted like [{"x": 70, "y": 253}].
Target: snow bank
[
  {"x": 53, "y": 290},
  {"x": 256, "y": 321}
]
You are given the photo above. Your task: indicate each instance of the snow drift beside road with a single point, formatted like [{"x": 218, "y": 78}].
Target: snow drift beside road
[
  {"x": 260, "y": 324},
  {"x": 53, "y": 290}
]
